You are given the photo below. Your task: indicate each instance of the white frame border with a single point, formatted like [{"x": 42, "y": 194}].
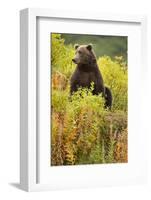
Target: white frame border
[{"x": 28, "y": 82}]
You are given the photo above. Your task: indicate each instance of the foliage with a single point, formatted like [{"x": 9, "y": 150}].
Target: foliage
[
  {"x": 115, "y": 77},
  {"x": 83, "y": 131},
  {"x": 102, "y": 44},
  {"x": 61, "y": 55}
]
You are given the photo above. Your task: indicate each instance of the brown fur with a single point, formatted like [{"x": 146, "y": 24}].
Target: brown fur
[{"x": 87, "y": 71}]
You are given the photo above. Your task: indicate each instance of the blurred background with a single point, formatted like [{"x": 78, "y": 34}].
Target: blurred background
[{"x": 103, "y": 45}]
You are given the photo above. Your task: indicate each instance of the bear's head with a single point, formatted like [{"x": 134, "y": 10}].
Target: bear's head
[{"x": 84, "y": 55}]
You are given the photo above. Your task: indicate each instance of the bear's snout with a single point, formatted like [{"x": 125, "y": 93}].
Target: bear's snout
[{"x": 73, "y": 60}]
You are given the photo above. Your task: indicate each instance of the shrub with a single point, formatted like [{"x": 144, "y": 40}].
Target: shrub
[
  {"x": 61, "y": 56},
  {"x": 83, "y": 132},
  {"x": 115, "y": 77}
]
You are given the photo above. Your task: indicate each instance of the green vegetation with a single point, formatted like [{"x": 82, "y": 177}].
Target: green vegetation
[
  {"x": 102, "y": 44},
  {"x": 83, "y": 131}
]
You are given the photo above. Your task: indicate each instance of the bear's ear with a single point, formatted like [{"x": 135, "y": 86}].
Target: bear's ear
[
  {"x": 76, "y": 46},
  {"x": 89, "y": 47}
]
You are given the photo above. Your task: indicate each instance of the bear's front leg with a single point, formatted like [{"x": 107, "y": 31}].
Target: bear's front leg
[{"x": 73, "y": 87}]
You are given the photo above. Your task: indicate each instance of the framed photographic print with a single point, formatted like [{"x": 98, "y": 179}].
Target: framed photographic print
[{"x": 82, "y": 80}]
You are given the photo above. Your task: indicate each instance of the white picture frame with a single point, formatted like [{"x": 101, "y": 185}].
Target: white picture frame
[{"x": 29, "y": 113}]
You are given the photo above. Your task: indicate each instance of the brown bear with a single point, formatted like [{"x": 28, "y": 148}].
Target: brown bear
[{"x": 87, "y": 71}]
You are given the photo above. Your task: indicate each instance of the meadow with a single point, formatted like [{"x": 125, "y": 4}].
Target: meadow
[{"x": 82, "y": 130}]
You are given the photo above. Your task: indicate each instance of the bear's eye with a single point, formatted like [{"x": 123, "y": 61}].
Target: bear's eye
[{"x": 80, "y": 52}]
